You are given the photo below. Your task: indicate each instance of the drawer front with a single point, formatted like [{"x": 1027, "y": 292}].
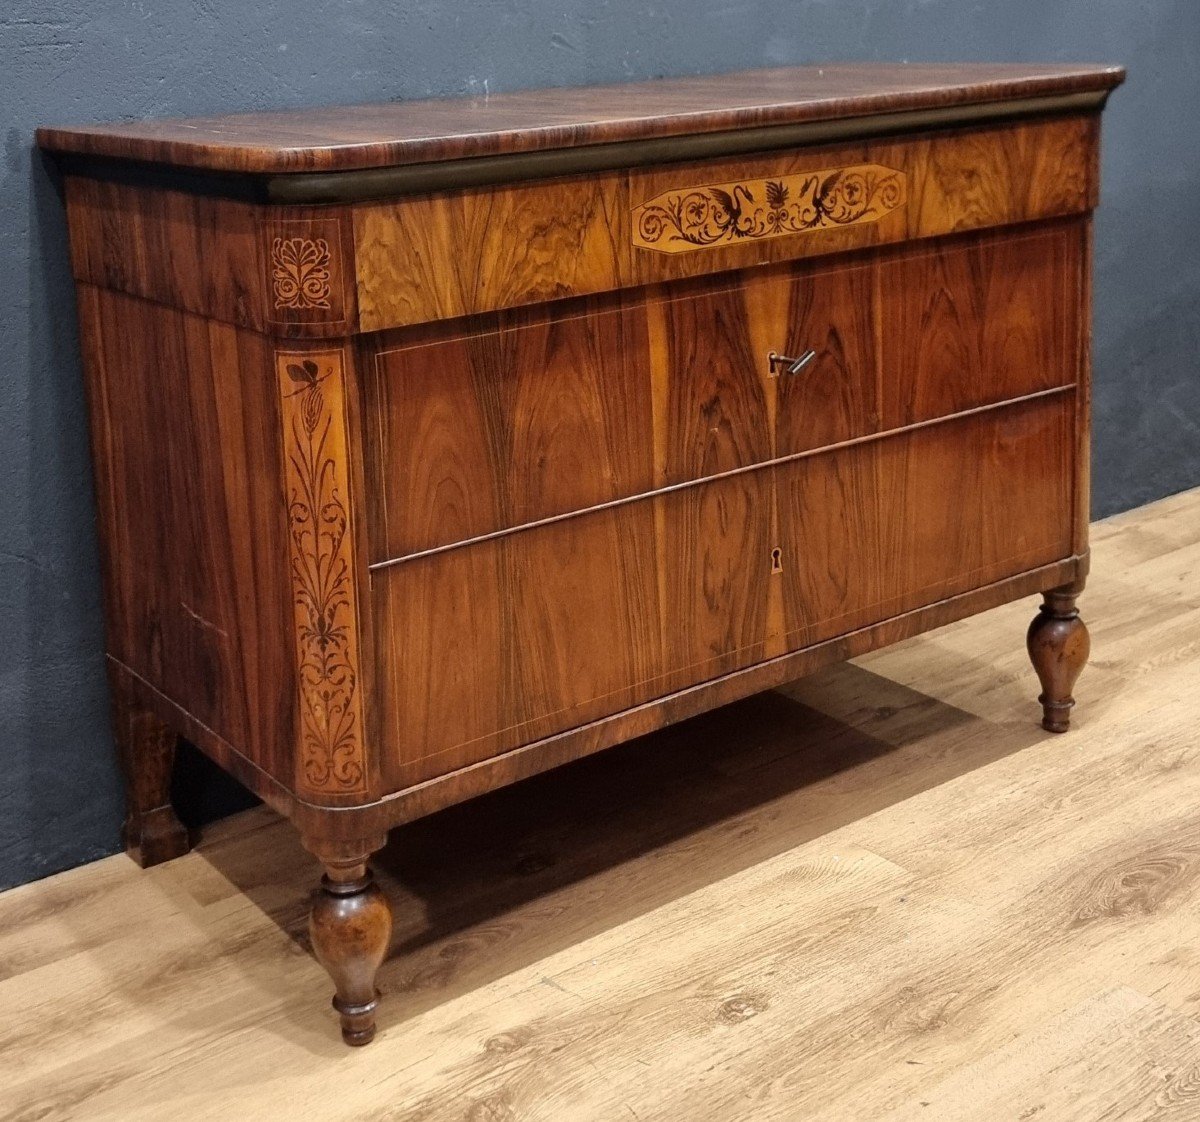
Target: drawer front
[
  {"x": 541, "y": 416},
  {"x": 740, "y": 213},
  {"x": 992, "y": 318},
  {"x": 477, "y": 432},
  {"x": 489, "y": 646},
  {"x": 887, "y": 526},
  {"x": 546, "y": 416},
  {"x": 458, "y": 253}
]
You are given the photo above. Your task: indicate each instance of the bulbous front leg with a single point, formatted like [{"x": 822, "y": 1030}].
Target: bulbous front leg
[
  {"x": 1058, "y": 645},
  {"x": 351, "y": 927}
]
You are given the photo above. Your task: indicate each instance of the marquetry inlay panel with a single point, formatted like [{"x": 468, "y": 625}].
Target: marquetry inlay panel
[
  {"x": 701, "y": 217},
  {"x": 300, "y": 272},
  {"x": 321, "y": 565}
]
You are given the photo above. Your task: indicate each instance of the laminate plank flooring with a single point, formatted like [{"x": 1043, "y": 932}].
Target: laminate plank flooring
[{"x": 879, "y": 893}]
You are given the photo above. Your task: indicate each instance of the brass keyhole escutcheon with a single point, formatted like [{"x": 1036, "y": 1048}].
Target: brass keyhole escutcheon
[{"x": 777, "y": 560}]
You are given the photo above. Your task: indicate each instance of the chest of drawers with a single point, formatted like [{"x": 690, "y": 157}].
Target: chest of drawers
[{"x": 437, "y": 444}]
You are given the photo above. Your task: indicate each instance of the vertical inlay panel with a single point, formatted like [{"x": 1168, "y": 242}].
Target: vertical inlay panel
[{"x": 321, "y": 552}]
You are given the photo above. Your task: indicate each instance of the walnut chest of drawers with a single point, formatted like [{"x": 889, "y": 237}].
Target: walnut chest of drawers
[{"x": 437, "y": 444}]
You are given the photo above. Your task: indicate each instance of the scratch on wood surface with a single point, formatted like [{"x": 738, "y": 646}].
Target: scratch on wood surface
[{"x": 207, "y": 624}]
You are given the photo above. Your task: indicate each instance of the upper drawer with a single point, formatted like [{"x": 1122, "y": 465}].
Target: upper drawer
[
  {"x": 543, "y": 415},
  {"x": 454, "y": 253},
  {"x": 994, "y": 317},
  {"x": 346, "y": 268},
  {"x": 550, "y": 414}
]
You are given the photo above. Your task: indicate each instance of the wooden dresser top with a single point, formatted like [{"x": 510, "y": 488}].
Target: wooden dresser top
[{"x": 419, "y": 132}]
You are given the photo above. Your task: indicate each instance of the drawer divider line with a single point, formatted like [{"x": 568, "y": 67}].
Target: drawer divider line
[{"x": 778, "y": 461}]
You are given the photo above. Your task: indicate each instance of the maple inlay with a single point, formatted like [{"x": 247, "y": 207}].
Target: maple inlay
[{"x": 322, "y": 570}]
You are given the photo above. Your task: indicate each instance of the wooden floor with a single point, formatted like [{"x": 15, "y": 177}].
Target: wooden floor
[{"x": 882, "y": 893}]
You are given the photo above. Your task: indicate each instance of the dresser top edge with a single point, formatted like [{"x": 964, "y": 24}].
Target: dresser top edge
[
  {"x": 408, "y": 133},
  {"x": 303, "y": 189}
]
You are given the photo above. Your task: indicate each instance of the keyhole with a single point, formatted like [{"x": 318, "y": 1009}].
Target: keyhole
[{"x": 777, "y": 560}]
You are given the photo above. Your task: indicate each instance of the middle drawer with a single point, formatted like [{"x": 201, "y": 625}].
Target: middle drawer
[{"x": 553, "y": 411}]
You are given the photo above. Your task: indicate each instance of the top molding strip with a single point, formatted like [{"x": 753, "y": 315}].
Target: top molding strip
[
  {"x": 361, "y": 185},
  {"x": 407, "y": 133}
]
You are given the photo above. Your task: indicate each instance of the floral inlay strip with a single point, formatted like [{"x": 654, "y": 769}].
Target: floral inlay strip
[
  {"x": 690, "y": 218},
  {"x": 321, "y": 548}
]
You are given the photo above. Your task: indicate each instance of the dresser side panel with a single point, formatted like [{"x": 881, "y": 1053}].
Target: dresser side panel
[
  {"x": 1083, "y": 397},
  {"x": 185, "y": 438}
]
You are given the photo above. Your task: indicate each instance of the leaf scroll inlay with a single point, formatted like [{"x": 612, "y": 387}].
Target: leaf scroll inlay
[
  {"x": 300, "y": 272},
  {"x": 727, "y": 213},
  {"x": 321, "y": 560}
]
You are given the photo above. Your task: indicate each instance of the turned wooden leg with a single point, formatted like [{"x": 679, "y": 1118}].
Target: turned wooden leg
[
  {"x": 152, "y": 832},
  {"x": 1058, "y": 645},
  {"x": 350, "y": 926}
]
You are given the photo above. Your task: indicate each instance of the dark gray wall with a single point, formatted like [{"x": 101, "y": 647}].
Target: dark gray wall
[{"x": 95, "y": 60}]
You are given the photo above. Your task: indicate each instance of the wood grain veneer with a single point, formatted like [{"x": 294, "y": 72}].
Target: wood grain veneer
[
  {"x": 470, "y": 451},
  {"x": 455, "y": 253},
  {"x": 431, "y": 257},
  {"x": 541, "y": 414},
  {"x": 563, "y": 624}
]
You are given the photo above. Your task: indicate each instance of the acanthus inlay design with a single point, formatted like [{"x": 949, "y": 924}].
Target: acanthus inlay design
[
  {"x": 322, "y": 549},
  {"x": 726, "y": 213},
  {"x": 300, "y": 272}
]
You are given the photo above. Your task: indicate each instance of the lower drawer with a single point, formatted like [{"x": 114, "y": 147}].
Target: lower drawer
[{"x": 505, "y": 641}]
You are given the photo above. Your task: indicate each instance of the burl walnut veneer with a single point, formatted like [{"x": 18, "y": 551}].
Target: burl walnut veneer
[{"x": 438, "y": 444}]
